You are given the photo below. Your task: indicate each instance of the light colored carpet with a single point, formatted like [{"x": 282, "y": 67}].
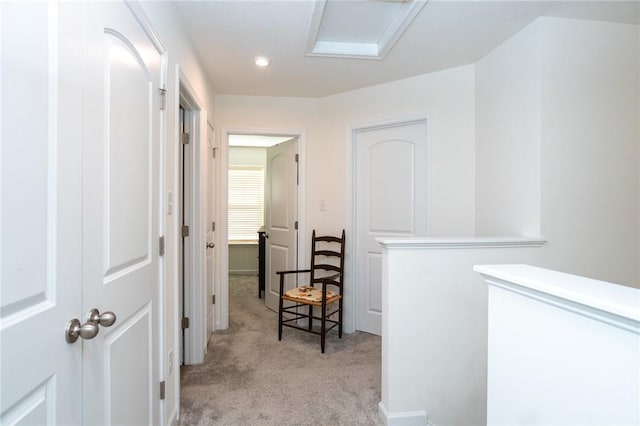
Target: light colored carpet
[{"x": 249, "y": 378}]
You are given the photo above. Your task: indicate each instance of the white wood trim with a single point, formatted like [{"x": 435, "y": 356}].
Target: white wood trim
[
  {"x": 376, "y": 51},
  {"x": 197, "y": 295},
  {"x": 393, "y": 33},
  {"x": 221, "y": 286},
  {"x": 460, "y": 243},
  {"x": 613, "y": 304},
  {"x": 403, "y": 418}
]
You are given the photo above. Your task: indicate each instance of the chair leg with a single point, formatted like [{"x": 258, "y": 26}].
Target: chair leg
[
  {"x": 340, "y": 319},
  {"x": 310, "y": 317},
  {"x": 323, "y": 330},
  {"x": 280, "y": 320}
]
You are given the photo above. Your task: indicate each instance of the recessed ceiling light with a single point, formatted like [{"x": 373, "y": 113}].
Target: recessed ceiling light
[{"x": 261, "y": 61}]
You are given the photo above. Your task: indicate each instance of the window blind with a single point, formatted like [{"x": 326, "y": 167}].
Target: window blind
[{"x": 246, "y": 202}]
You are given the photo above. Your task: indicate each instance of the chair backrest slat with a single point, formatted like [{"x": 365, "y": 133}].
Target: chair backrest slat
[{"x": 327, "y": 258}]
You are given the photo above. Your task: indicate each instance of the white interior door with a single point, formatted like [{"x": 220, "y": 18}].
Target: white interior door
[
  {"x": 210, "y": 228},
  {"x": 121, "y": 267},
  {"x": 391, "y": 201},
  {"x": 281, "y": 216},
  {"x": 40, "y": 211}
]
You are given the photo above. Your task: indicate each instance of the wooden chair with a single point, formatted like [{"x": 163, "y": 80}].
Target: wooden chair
[{"x": 327, "y": 269}]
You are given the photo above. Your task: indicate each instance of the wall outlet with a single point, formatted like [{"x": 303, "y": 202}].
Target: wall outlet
[{"x": 170, "y": 361}]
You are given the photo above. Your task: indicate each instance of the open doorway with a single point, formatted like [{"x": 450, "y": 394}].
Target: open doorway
[
  {"x": 275, "y": 160},
  {"x": 263, "y": 209}
]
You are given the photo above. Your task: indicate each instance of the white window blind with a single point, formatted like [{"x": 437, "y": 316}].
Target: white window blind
[{"x": 246, "y": 202}]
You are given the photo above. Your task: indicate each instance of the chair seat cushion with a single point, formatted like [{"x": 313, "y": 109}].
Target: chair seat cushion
[{"x": 310, "y": 295}]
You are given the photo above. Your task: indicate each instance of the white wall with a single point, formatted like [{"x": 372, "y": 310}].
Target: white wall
[
  {"x": 247, "y": 156},
  {"x": 557, "y": 131},
  {"x": 446, "y": 98},
  {"x": 590, "y": 141},
  {"x": 508, "y": 131},
  {"x": 253, "y": 114},
  {"x": 172, "y": 34},
  {"x": 234, "y": 112}
]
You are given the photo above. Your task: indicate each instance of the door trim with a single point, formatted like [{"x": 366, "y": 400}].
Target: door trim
[
  {"x": 222, "y": 285},
  {"x": 195, "y": 303},
  {"x": 351, "y": 291}
]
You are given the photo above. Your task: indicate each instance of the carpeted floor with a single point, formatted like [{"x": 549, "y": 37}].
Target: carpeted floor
[{"x": 249, "y": 378}]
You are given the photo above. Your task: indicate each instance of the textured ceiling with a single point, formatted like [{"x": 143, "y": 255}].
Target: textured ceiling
[{"x": 445, "y": 34}]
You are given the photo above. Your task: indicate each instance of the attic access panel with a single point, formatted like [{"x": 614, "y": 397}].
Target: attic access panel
[{"x": 365, "y": 29}]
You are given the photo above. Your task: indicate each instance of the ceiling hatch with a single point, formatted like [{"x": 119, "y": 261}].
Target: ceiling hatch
[{"x": 365, "y": 29}]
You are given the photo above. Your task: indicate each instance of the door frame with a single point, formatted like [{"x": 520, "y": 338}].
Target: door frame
[
  {"x": 211, "y": 156},
  {"x": 222, "y": 284},
  {"x": 351, "y": 276},
  {"x": 196, "y": 342}
]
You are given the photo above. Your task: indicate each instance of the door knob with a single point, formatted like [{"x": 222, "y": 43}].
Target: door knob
[
  {"x": 105, "y": 319},
  {"x": 87, "y": 331},
  {"x": 210, "y": 245}
]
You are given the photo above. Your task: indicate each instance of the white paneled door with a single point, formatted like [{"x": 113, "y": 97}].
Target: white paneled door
[
  {"x": 124, "y": 77},
  {"x": 391, "y": 186},
  {"x": 80, "y": 155},
  {"x": 281, "y": 209},
  {"x": 40, "y": 232}
]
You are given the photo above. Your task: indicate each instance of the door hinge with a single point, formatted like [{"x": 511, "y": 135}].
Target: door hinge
[
  {"x": 161, "y": 244},
  {"x": 213, "y": 152},
  {"x": 297, "y": 158},
  {"x": 185, "y": 138},
  {"x": 185, "y": 323},
  {"x": 163, "y": 98},
  {"x": 213, "y": 227},
  {"x": 185, "y": 231},
  {"x": 213, "y": 299},
  {"x": 295, "y": 225},
  {"x": 163, "y": 390}
]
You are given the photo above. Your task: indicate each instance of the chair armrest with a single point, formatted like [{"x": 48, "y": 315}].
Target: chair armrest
[
  {"x": 283, "y": 273},
  {"x": 332, "y": 277},
  {"x": 330, "y": 280},
  {"x": 298, "y": 271}
]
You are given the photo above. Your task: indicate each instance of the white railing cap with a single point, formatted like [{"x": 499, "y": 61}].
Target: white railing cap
[
  {"x": 605, "y": 296},
  {"x": 459, "y": 242}
]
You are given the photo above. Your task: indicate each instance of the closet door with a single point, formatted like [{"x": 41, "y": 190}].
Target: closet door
[
  {"x": 391, "y": 201},
  {"x": 40, "y": 209}
]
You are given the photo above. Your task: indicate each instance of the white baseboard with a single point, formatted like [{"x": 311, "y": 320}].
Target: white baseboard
[
  {"x": 173, "y": 418},
  {"x": 243, "y": 272},
  {"x": 403, "y": 418}
]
